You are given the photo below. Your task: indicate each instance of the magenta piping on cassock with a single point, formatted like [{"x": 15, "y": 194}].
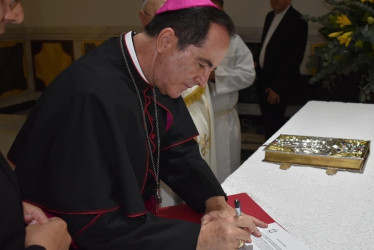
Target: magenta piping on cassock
[{"x": 179, "y": 143}]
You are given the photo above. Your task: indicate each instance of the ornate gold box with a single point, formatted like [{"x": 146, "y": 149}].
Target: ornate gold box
[{"x": 331, "y": 153}]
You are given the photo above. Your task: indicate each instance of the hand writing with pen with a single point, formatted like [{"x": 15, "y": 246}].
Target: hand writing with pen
[{"x": 222, "y": 228}]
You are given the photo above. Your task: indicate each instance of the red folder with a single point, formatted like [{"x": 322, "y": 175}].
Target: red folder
[{"x": 248, "y": 206}]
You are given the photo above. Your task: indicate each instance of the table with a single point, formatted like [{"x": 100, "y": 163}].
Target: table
[{"x": 322, "y": 211}]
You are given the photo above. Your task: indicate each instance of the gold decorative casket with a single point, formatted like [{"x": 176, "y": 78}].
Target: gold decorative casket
[{"x": 331, "y": 153}]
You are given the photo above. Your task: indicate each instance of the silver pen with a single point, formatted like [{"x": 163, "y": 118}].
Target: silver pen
[{"x": 237, "y": 207}]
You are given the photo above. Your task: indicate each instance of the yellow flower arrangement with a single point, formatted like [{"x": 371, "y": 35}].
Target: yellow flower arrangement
[
  {"x": 343, "y": 21},
  {"x": 349, "y": 31},
  {"x": 345, "y": 38}
]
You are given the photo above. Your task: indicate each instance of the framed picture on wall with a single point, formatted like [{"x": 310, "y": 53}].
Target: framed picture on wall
[{"x": 50, "y": 58}]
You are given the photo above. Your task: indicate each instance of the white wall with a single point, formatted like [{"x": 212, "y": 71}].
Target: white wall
[
  {"x": 81, "y": 13},
  {"x": 110, "y": 17},
  {"x": 124, "y": 13},
  {"x": 251, "y": 13}
]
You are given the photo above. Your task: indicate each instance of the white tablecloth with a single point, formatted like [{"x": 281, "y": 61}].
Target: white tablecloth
[{"x": 322, "y": 211}]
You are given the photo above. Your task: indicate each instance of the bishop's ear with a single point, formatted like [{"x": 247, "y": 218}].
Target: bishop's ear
[{"x": 166, "y": 40}]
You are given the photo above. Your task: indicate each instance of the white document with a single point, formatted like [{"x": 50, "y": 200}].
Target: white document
[{"x": 274, "y": 237}]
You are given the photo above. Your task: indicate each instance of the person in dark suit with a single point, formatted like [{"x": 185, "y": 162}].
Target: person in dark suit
[
  {"x": 281, "y": 52},
  {"x": 24, "y": 226}
]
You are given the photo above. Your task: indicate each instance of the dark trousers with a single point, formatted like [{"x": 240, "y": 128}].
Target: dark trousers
[
  {"x": 272, "y": 114},
  {"x": 273, "y": 117}
]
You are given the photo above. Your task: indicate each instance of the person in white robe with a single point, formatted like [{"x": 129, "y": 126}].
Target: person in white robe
[
  {"x": 199, "y": 104},
  {"x": 235, "y": 72}
]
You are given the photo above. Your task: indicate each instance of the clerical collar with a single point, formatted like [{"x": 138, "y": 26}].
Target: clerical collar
[{"x": 130, "y": 47}]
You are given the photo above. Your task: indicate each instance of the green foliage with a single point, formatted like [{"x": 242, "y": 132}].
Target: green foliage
[{"x": 349, "y": 31}]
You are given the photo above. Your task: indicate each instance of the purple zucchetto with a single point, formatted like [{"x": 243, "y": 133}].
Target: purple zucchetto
[{"x": 171, "y": 5}]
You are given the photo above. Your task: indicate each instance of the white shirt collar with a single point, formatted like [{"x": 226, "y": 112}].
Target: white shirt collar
[{"x": 130, "y": 47}]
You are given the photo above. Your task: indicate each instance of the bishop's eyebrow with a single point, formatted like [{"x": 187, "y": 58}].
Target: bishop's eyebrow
[{"x": 205, "y": 61}]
